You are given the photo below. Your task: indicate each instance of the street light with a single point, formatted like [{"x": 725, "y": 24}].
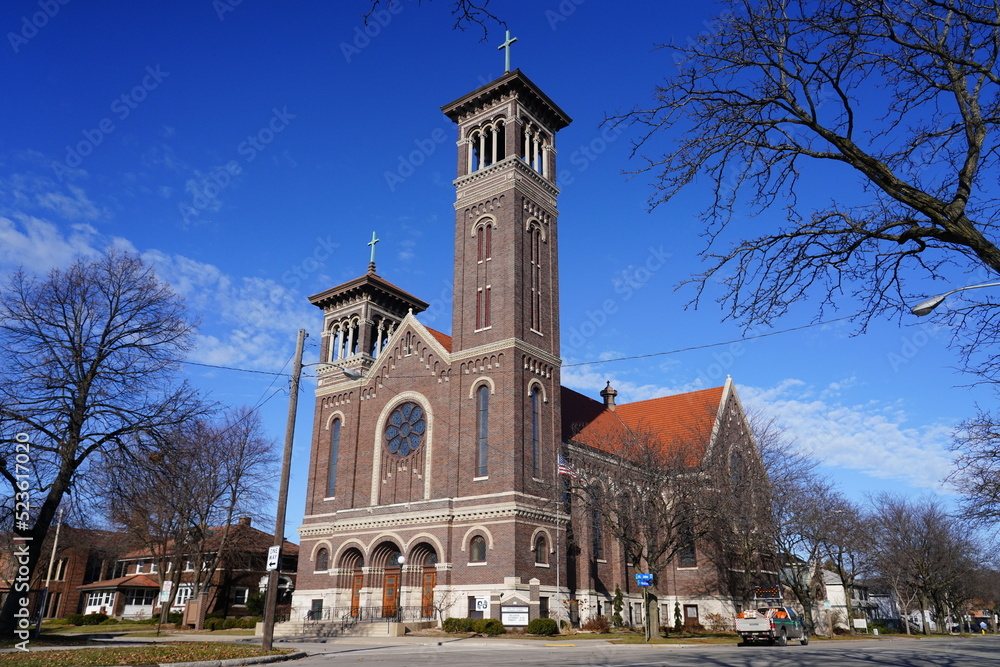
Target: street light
[
  {"x": 925, "y": 307},
  {"x": 271, "y": 602}
]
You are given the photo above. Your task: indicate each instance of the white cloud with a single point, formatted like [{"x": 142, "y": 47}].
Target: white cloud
[
  {"x": 873, "y": 438},
  {"x": 75, "y": 207},
  {"x": 39, "y": 245}
]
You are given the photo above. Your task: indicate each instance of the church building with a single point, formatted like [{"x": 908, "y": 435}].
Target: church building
[{"x": 436, "y": 477}]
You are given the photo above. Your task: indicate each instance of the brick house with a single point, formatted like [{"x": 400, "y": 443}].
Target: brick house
[
  {"x": 133, "y": 587},
  {"x": 433, "y": 485}
]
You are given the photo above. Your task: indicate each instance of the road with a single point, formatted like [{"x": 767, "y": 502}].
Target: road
[{"x": 957, "y": 652}]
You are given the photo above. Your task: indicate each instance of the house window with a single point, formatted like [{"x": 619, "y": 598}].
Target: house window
[
  {"x": 482, "y": 429},
  {"x": 598, "y": 535},
  {"x": 477, "y": 549},
  {"x": 322, "y": 560},
  {"x": 535, "y": 401},
  {"x": 541, "y": 550},
  {"x": 183, "y": 595},
  {"x": 100, "y": 599},
  {"x": 59, "y": 569},
  {"x": 331, "y": 486},
  {"x": 240, "y": 594},
  {"x": 142, "y": 597}
]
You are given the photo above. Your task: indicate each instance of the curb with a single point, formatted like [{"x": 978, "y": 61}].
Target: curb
[{"x": 235, "y": 662}]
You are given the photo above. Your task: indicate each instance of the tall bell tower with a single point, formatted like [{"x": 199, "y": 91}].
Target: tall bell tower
[{"x": 506, "y": 259}]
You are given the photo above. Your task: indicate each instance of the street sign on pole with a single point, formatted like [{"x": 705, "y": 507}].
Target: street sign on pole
[
  {"x": 643, "y": 582},
  {"x": 642, "y": 576},
  {"x": 272, "y": 558}
]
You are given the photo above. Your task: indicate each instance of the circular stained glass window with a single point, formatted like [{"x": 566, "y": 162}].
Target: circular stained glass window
[{"x": 404, "y": 432}]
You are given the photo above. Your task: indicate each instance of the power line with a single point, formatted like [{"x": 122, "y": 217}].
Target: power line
[{"x": 580, "y": 363}]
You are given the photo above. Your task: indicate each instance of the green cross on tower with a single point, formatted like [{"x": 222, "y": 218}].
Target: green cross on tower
[
  {"x": 371, "y": 262},
  {"x": 506, "y": 47}
]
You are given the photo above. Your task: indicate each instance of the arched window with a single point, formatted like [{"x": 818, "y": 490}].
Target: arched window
[
  {"x": 535, "y": 407},
  {"x": 477, "y": 549},
  {"x": 482, "y": 429},
  {"x": 687, "y": 555},
  {"x": 331, "y": 483},
  {"x": 484, "y": 243},
  {"x": 541, "y": 550},
  {"x": 597, "y": 535},
  {"x": 322, "y": 560}
]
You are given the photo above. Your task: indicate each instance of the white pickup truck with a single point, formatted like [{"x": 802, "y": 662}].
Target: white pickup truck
[{"x": 773, "y": 625}]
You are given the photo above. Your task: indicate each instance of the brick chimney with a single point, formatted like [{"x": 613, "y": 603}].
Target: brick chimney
[
  {"x": 608, "y": 394},
  {"x": 245, "y": 521}
]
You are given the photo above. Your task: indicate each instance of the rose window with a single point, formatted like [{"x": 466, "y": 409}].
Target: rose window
[{"x": 404, "y": 432}]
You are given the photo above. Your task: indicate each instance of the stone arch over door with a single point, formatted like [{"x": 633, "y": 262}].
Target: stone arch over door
[
  {"x": 422, "y": 573},
  {"x": 386, "y": 574},
  {"x": 351, "y": 577}
]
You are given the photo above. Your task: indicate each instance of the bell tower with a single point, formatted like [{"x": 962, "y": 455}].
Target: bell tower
[{"x": 506, "y": 259}]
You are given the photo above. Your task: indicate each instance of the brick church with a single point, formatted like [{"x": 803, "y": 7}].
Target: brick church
[{"x": 434, "y": 485}]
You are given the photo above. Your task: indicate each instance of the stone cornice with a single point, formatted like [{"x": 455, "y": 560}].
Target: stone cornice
[
  {"x": 506, "y": 344},
  {"x": 507, "y": 510},
  {"x": 496, "y": 179}
]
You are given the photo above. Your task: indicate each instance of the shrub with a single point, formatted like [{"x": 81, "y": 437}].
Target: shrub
[
  {"x": 597, "y": 624},
  {"x": 255, "y": 603},
  {"x": 542, "y": 626},
  {"x": 564, "y": 624},
  {"x": 457, "y": 625},
  {"x": 93, "y": 619},
  {"x": 488, "y": 626},
  {"x": 109, "y": 621},
  {"x": 214, "y": 624},
  {"x": 75, "y": 619}
]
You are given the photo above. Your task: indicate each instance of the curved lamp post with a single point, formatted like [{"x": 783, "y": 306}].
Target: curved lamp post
[{"x": 926, "y": 306}]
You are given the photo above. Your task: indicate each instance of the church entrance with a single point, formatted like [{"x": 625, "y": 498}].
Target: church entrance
[
  {"x": 352, "y": 578},
  {"x": 424, "y": 558},
  {"x": 358, "y": 582},
  {"x": 390, "y": 591}
]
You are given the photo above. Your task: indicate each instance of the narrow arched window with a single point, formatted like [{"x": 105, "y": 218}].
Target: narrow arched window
[
  {"x": 535, "y": 407},
  {"x": 541, "y": 550},
  {"x": 597, "y": 535},
  {"x": 477, "y": 549},
  {"x": 331, "y": 484},
  {"x": 482, "y": 429},
  {"x": 322, "y": 560}
]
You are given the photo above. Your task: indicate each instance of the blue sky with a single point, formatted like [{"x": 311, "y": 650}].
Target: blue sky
[{"x": 249, "y": 149}]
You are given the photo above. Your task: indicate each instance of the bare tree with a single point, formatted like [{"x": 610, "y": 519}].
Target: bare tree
[
  {"x": 651, "y": 491},
  {"x": 921, "y": 550},
  {"x": 87, "y": 359},
  {"x": 848, "y": 545},
  {"x": 466, "y": 13},
  {"x": 977, "y": 467},
  {"x": 902, "y": 96},
  {"x": 183, "y": 499}
]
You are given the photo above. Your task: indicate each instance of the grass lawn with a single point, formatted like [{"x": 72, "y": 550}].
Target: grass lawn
[{"x": 134, "y": 655}]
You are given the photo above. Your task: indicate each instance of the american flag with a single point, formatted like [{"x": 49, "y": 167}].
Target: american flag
[{"x": 565, "y": 468}]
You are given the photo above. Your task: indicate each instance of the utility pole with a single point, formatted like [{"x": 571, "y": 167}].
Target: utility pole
[{"x": 271, "y": 601}]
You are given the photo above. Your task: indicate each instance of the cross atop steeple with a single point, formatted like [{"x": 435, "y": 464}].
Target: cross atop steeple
[
  {"x": 371, "y": 262},
  {"x": 506, "y": 47}
]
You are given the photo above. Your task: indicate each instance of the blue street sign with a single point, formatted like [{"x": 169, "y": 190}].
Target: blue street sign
[
  {"x": 640, "y": 576},
  {"x": 643, "y": 582}
]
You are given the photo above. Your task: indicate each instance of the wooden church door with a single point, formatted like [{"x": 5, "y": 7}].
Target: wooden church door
[
  {"x": 356, "y": 593},
  {"x": 427, "y": 598},
  {"x": 390, "y": 593}
]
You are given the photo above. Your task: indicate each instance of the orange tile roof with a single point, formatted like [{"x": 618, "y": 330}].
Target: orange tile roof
[
  {"x": 674, "y": 420},
  {"x": 444, "y": 339},
  {"x": 131, "y": 581}
]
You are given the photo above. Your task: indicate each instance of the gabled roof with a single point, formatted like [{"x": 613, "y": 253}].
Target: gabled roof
[
  {"x": 682, "y": 420},
  {"x": 131, "y": 581},
  {"x": 444, "y": 339}
]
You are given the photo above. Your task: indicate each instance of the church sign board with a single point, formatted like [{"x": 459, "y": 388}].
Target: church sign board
[{"x": 514, "y": 615}]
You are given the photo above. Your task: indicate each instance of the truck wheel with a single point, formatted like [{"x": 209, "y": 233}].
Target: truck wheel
[
  {"x": 805, "y": 639},
  {"x": 782, "y": 639}
]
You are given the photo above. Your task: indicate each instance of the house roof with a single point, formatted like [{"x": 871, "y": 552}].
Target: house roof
[
  {"x": 442, "y": 338},
  {"x": 131, "y": 581},
  {"x": 242, "y": 537},
  {"x": 682, "y": 420},
  {"x": 371, "y": 283}
]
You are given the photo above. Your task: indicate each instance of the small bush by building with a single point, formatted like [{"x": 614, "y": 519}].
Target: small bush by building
[{"x": 542, "y": 626}]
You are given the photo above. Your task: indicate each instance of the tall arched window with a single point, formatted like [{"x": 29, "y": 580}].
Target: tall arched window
[
  {"x": 322, "y": 560},
  {"x": 331, "y": 484},
  {"x": 541, "y": 550},
  {"x": 535, "y": 407},
  {"x": 482, "y": 429},
  {"x": 477, "y": 549},
  {"x": 597, "y": 535}
]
